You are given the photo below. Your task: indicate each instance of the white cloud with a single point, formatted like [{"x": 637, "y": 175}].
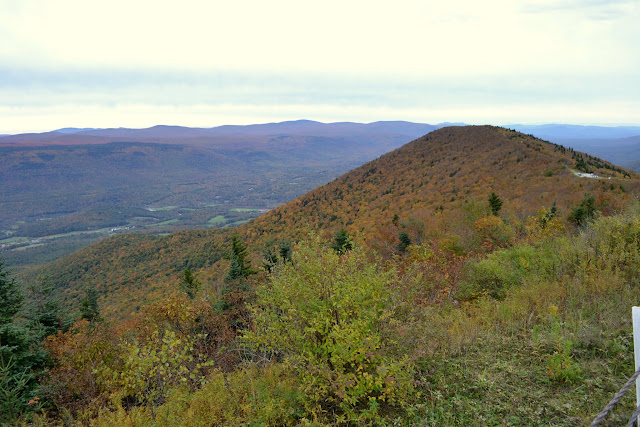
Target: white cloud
[{"x": 409, "y": 55}]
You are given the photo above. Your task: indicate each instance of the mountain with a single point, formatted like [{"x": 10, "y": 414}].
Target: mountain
[
  {"x": 444, "y": 170},
  {"x": 73, "y": 130},
  {"x": 431, "y": 184}
]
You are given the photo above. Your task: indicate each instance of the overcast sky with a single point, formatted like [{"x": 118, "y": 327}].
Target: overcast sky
[{"x": 133, "y": 63}]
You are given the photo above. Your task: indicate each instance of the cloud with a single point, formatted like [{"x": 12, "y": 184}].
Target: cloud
[{"x": 411, "y": 56}]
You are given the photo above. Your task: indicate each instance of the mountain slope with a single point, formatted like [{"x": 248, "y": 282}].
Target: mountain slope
[
  {"x": 441, "y": 171},
  {"x": 437, "y": 175}
]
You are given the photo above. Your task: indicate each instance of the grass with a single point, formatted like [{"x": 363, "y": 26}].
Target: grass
[
  {"x": 165, "y": 223},
  {"x": 164, "y": 208},
  {"x": 16, "y": 240},
  {"x": 217, "y": 220},
  {"x": 242, "y": 221},
  {"x": 243, "y": 210},
  {"x": 23, "y": 248}
]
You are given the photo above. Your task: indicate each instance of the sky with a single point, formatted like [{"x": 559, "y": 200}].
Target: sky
[{"x": 139, "y": 63}]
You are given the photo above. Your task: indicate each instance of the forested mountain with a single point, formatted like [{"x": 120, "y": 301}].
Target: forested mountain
[{"x": 426, "y": 188}]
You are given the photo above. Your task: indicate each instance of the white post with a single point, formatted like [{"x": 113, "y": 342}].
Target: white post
[{"x": 635, "y": 311}]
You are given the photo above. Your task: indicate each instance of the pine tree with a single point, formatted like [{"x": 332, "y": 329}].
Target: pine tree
[
  {"x": 284, "y": 249},
  {"x": 21, "y": 356},
  {"x": 342, "y": 242},
  {"x": 10, "y": 296},
  {"x": 405, "y": 241},
  {"x": 43, "y": 311},
  {"x": 583, "y": 211},
  {"x": 495, "y": 204},
  {"x": 189, "y": 284},
  {"x": 240, "y": 266},
  {"x": 89, "y": 308}
]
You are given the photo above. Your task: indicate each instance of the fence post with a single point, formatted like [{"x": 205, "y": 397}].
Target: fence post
[{"x": 635, "y": 311}]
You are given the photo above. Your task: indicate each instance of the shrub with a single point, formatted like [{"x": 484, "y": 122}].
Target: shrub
[{"x": 324, "y": 318}]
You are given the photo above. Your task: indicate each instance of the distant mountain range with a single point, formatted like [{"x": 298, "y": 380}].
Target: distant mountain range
[
  {"x": 613, "y": 143},
  {"x": 554, "y": 132},
  {"x": 162, "y": 132}
]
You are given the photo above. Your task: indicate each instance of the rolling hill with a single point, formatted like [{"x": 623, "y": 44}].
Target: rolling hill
[{"x": 425, "y": 187}]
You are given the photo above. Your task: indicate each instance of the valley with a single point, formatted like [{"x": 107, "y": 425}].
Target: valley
[{"x": 64, "y": 190}]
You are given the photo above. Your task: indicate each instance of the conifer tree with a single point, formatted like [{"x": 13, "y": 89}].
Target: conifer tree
[
  {"x": 583, "y": 211},
  {"x": 342, "y": 242},
  {"x": 405, "y": 241},
  {"x": 89, "y": 308},
  {"x": 10, "y": 296},
  {"x": 284, "y": 249},
  {"x": 495, "y": 204},
  {"x": 240, "y": 266},
  {"x": 21, "y": 356},
  {"x": 189, "y": 284}
]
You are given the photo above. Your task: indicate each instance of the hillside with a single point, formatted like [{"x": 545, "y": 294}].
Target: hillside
[
  {"x": 441, "y": 172},
  {"x": 430, "y": 183}
]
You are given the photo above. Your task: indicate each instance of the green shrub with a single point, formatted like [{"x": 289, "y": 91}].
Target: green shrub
[
  {"x": 504, "y": 269},
  {"x": 323, "y": 316}
]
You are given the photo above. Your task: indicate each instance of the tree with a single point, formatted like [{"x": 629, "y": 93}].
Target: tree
[
  {"x": 10, "y": 296},
  {"x": 42, "y": 310},
  {"x": 284, "y": 249},
  {"x": 89, "y": 308},
  {"x": 405, "y": 241},
  {"x": 240, "y": 266},
  {"x": 495, "y": 204},
  {"x": 270, "y": 255},
  {"x": 21, "y": 356},
  {"x": 324, "y": 316},
  {"x": 189, "y": 284},
  {"x": 583, "y": 211},
  {"x": 342, "y": 242}
]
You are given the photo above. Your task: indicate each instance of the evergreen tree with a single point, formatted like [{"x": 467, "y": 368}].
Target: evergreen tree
[
  {"x": 189, "y": 284},
  {"x": 43, "y": 311},
  {"x": 89, "y": 308},
  {"x": 405, "y": 241},
  {"x": 10, "y": 296},
  {"x": 342, "y": 242},
  {"x": 554, "y": 210},
  {"x": 495, "y": 204},
  {"x": 583, "y": 211},
  {"x": 284, "y": 249},
  {"x": 582, "y": 166},
  {"x": 21, "y": 356},
  {"x": 271, "y": 257},
  {"x": 240, "y": 266}
]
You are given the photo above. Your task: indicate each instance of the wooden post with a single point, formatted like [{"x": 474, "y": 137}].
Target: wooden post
[{"x": 635, "y": 311}]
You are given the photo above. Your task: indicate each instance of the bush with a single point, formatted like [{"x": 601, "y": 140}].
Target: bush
[
  {"x": 324, "y": 318},
  {"x": 504, "y": 269}
]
